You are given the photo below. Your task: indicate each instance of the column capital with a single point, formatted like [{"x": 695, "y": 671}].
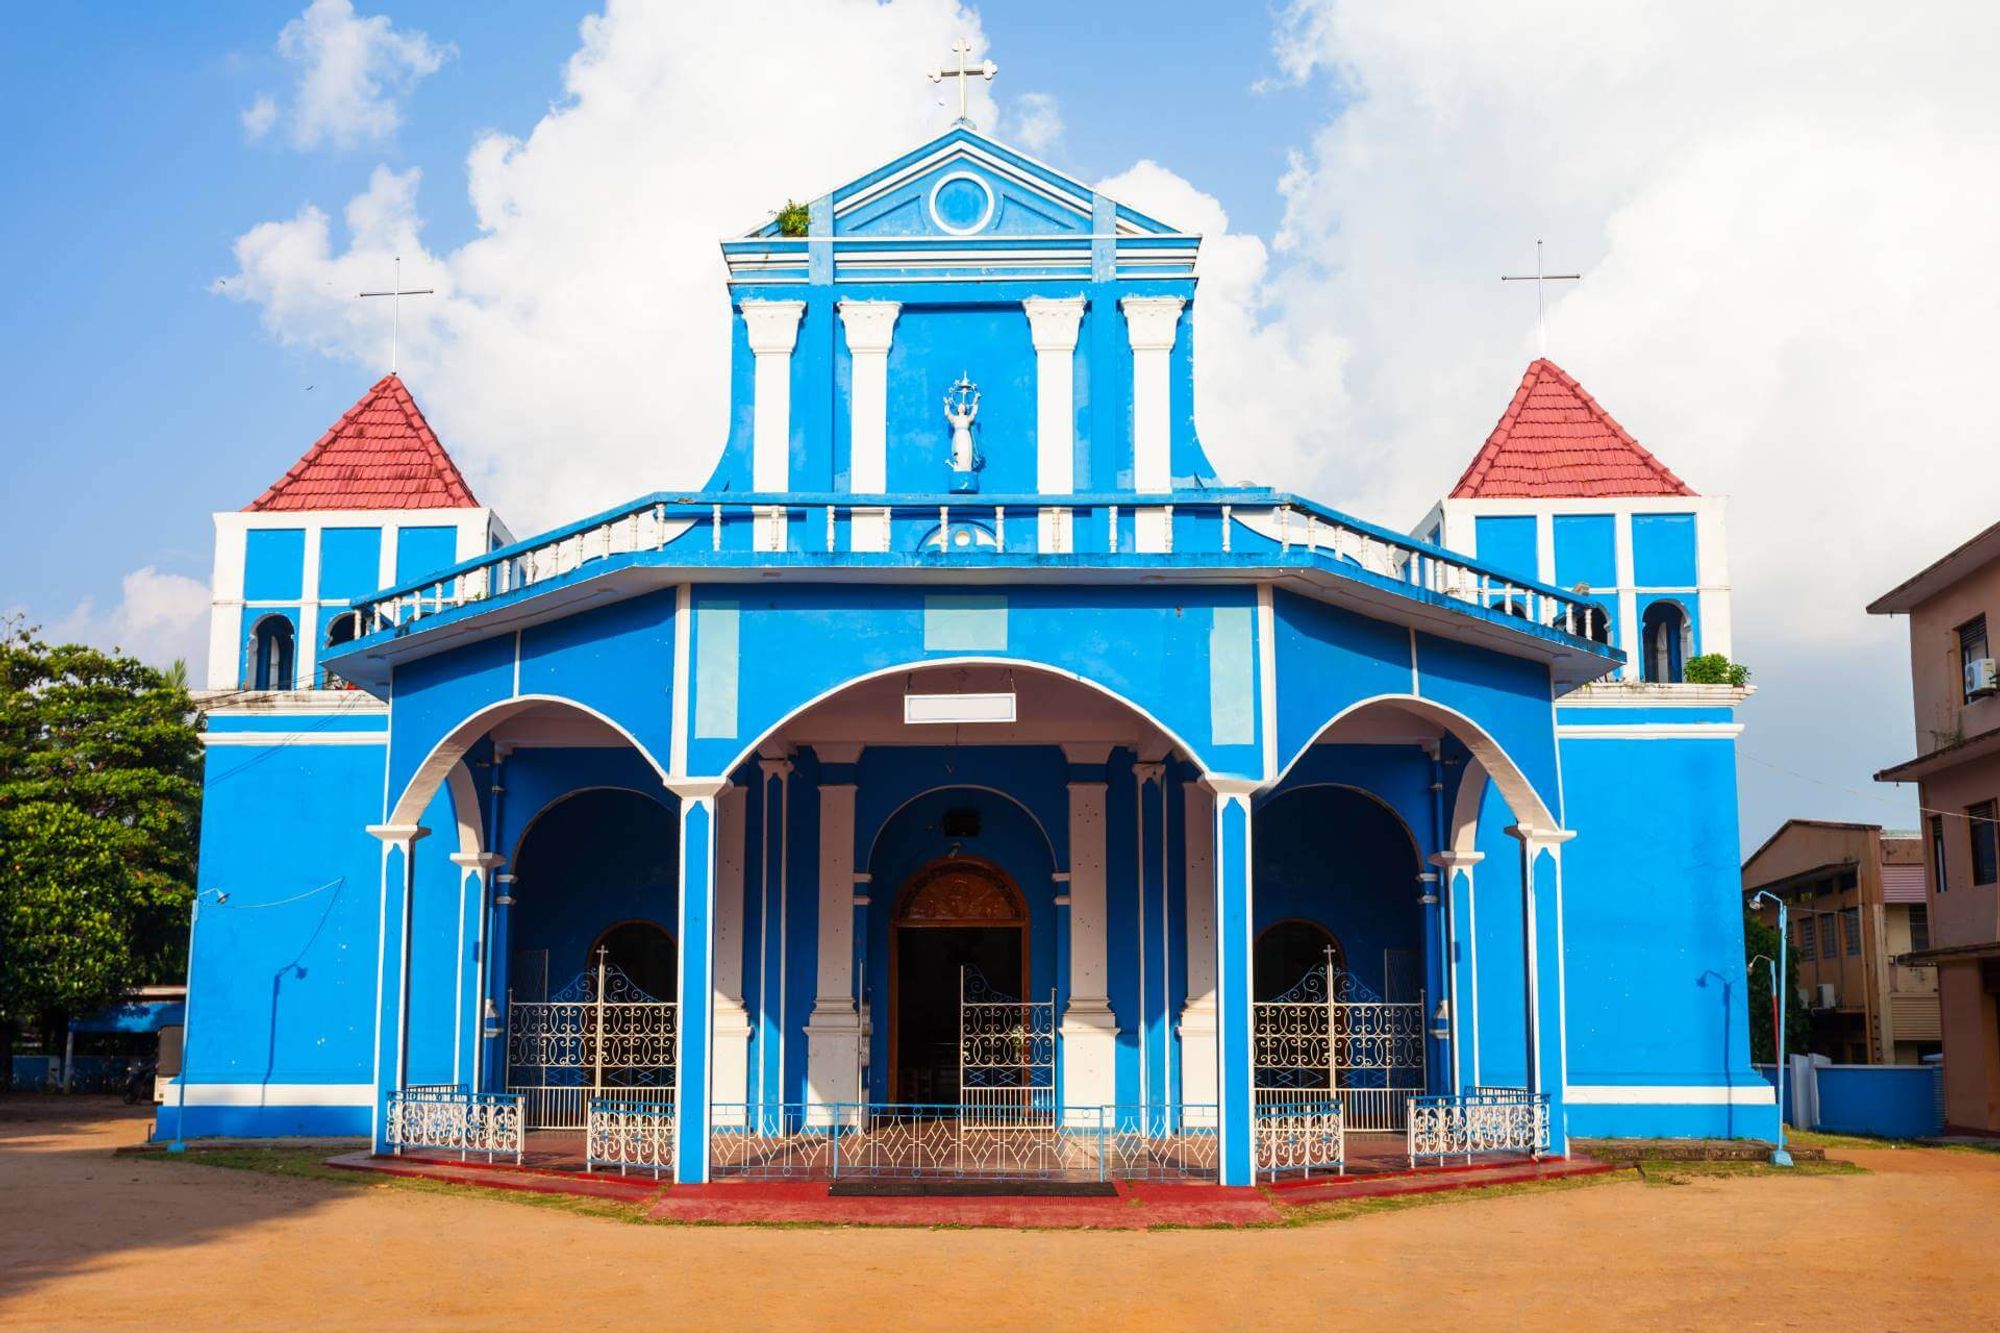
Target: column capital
[
  {"x": 1537, "y": 838},
  {"x": 1150, "y": 770},
  {"x": 774, "y": 767},
  {"x": 400, "y": 835},
  {"x": 869, "y": 325},
  {"x": 1151, "y": 321},
  {"x": 1450, "y": 861},
  {"x": 1232, "y": 788},
  {"x": 1053, "y": 321},
  {"x": 694, "y": 789},
  {"x": 773, "y": 325},
  {"x": 484, "y": 862}
]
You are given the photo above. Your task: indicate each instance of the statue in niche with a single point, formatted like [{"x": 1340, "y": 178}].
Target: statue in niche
[{"x": 961, "y": 406}]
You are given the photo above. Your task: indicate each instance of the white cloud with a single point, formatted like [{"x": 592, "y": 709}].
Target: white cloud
[
  {"x": 353, "y": 74},
  {"x": 1034, "y": 122},
  {"x": 259, "y": 117},
  {"x": 577, "y": 353},
  {"x": 158, "y": 618}
]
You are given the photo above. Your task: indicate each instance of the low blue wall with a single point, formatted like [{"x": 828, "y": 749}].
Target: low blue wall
[{"x": 1887, "y": 1101}]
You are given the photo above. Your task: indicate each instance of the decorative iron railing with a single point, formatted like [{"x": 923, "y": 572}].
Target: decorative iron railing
[
  {"x": 1331, "y": 1036},
  {"x": 630, "y": 1135},
  {"x": 598, "y": 1036},
  {"x": 802, "y": 528},
  {"x": 1006, "y": 1056},
  {"x": 446, "y": 1117},
  {"x": 1300, "y": 1131},
  {"x": 1484, "y": 1120},
  {"x": 953, "y": 1140}
]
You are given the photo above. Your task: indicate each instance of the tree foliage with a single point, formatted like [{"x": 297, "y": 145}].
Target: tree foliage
[
  {"x": 1760, "y": 939},
  {"x": 100, "y": 792}
]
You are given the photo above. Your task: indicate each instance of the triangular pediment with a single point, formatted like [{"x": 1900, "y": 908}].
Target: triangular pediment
[{"x": 964, "y": 185}]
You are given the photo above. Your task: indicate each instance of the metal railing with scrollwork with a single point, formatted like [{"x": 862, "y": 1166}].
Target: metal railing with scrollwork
[
  {"x": 1006, "y": 1056},
  {"x": 1301, "y": 1133},
  {"x": 1484, "y": 1120},
  {"x": 1330, "y": 1036},
  {"x": 446, "y": 1117},
  {"x": 799, "y": 528},
  {"x": 599, "y": 1036},
  {"x": 630, "y": 1135}
]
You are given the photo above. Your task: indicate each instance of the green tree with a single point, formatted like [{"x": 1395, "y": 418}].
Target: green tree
[
  {"x": 1760, "y": 939},
  {"x": 100, "y": 792}
]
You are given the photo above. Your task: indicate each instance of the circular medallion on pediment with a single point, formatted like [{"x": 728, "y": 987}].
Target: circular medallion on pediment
[{"x": 961, "y": 203}]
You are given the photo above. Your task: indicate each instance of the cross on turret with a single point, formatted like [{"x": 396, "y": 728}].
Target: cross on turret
[{"x": 965, "y": 73}]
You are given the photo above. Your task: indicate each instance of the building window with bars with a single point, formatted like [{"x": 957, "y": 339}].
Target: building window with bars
[
  {"x": 1826, "y": 946},
  {"x": 1985, "y": 842},
  {"x": 1920, "y": 928},
  {"x": 1937, "y": 853},
  {"x": 1805, "y": 939},
  {"x": 1850, "y": 930}
]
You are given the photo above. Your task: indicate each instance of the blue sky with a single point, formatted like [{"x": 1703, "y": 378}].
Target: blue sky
[{"x": 1783, "y": 225}]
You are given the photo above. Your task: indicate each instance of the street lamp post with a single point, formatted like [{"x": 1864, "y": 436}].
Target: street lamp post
[{"x": 1779, "y": 1157}]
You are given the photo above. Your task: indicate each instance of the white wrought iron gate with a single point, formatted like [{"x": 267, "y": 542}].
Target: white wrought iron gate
[
  {"x": 1006, "y": 1057},
  {"x": 599, "y": 1036},
  {"x": 1330, "y": 1035}
]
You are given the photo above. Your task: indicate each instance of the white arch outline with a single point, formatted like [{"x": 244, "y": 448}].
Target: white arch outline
[
  {"x": 1528, "y": 808},
  {"x": 453, "y": 746},
  {"x": 1011, "y": 663}
]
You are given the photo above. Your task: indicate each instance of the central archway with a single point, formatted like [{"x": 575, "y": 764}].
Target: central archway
[{"x": 956, "y": 914}]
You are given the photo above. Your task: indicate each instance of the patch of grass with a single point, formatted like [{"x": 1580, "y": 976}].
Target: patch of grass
[
  {"x": 1341, "y": 1210},
  {"x": 1680, "y": 1173},
  {"x": 292, "y": 1163}
]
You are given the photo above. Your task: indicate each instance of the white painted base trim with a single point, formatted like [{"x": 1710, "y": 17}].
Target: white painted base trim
[
  {"x": 271, "y": 1094},
  {"x": 276, "y": 738},
  {"x": 1637, "y": 731},
  {"x": 1618, "y": 1094}
]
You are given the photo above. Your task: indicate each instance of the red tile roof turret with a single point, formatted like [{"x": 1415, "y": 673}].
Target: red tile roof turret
[
  {"x": 381, "y": 454},
  {"x": 1555, "y": 441}
]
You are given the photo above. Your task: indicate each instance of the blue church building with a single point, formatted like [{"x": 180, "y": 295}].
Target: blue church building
[{"x": 964, "y": 780}]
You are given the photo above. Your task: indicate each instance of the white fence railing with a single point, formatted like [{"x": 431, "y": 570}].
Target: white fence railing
[
  {"x": 1301, "y": 1131},
  {"x": 1483, "y": 1120},
  {"x": 447, "y": 1118},
  {"x": 630, "y": 1135}
]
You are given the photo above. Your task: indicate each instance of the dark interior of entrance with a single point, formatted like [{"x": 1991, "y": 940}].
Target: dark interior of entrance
[{"x": 928, "y": 961}]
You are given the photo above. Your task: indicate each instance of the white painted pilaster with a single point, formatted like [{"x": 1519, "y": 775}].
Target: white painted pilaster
[
  {"x": 1150, "y": 324},
  {"x": 1197, "y": 1025},
  {"x": 1454, "y": 870},
  {"x": 1053, "y": 323},
  {"x": 833, "y": 1033},
  {"x": 1711, "y": 555},
  {"x": 1629, "y": 640},
  {"x": 732, "y": 1019},
  {"x": 869, "y": 326},
  {"x": 773, "y": 328},
  {"x": 1089, "y": 1029},
  {"x": 225, "y": 614}
]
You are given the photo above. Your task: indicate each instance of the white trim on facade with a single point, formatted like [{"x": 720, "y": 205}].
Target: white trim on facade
[
  {"x": 275, "y": 1094},
  {"x": 1618, "y": 1094},
  {"x": 278, "y": 738},
  {"x": 1638, "y": 731}
]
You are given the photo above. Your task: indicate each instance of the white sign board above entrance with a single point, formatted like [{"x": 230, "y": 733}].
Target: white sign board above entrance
[{"x": 920, "y": 709}]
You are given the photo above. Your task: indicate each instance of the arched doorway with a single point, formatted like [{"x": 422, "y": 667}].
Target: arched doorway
[
  {"x": 955, "y": 914},
  {"x": 644, "y": 952},
  {"x": 1290, "y": 952}
]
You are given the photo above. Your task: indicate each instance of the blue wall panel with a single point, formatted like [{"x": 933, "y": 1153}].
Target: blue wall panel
[
  {"x": 350, "y": 563},
  {"x": 274, "y": 564},
  {"x": 1506, "y": 697},
  {"x": 1663, "y": 551},
  {"x": 422, "y": 550},
  {"x": 1586, "y": 550},
  {"x": 1507, "y": 542},
  {"x": 1327, "y": 660}
]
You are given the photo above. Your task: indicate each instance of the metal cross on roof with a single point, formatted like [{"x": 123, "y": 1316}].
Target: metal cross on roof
[
  {"x": 1540, "y": 278},
  {"x": 964, "y": 74},
  {"x": 396, "y": 293}
]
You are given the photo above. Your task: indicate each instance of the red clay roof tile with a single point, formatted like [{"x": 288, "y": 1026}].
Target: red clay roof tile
[
  {"x": 381, "y": 454},
  {"x": 1554, "y": 440}
]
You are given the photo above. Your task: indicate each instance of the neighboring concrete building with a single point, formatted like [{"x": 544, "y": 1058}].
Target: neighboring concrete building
[
  {"x": 1957, "y": 771},
  {"x": 1857, "y": 905}
]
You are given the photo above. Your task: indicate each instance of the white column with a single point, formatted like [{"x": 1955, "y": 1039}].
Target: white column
[
  {"x": 1089, "y": 1029},
  {"x": 1150, "y": 323},
  {"x": 773, "y": 946},
  {"x": 869, "y": 326},
  {"x": 1053, "y": 323},
  {"x": 1711, "y": 553},
  {"x": 773, "y": 328},
  {"x": 226, "y": 621},
  {"x": 1197, "y": 1027},
  {"x": 467, "y": 991},
  {"x": 1454, "y": 869},
  {"x": 732, "y": 1019},
  {"x": 833, "y": 1034},
  {"x": 1628, "y": 639}
]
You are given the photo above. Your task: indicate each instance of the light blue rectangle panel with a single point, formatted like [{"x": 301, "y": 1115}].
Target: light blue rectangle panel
[
  {"x": 1586, "y": 550},
  {"x": 1232, "y": 676},
  {"x": 274, "y": 564},
  {"x": 1507, "y": 542},
  {"x": 716, "y": 669},
  {"x": 419, "y": 551},
  {"x": 1663, "y": 550},
  {"x": 965, "y": 623},
  {"x": 350, "y": 563}
]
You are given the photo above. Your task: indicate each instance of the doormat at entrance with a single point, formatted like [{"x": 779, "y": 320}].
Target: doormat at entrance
[{"x": 870, "y": 1188}]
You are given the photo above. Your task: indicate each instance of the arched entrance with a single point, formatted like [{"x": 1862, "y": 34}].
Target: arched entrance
[
  {"x": 956, "y": 916},
  {"x": 1288, "y": 951}
]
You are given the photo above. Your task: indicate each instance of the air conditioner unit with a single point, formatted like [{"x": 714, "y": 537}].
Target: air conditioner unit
[
  {"x": 1828, "y": 997},
  {"x": 1980, "y": 678}
]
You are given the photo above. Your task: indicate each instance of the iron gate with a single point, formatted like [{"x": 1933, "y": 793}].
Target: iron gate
[
  {"x": 1331, "y": 1035},
  {"x": 1006, "y": 1057},
  {"x": 600, "y": 1036}
]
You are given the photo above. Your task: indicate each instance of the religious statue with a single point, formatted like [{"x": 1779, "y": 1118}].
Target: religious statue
[{"x": 961, "y": 405}]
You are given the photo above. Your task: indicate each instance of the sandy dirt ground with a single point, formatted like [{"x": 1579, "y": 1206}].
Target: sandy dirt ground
[{"x": 87, "y": 1239}]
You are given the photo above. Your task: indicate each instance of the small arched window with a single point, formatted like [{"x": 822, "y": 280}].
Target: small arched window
[
  {"x": 342, "y": 630},
  {"x": 271, "y": 654},
  {"x": 1666, "y": 633}
]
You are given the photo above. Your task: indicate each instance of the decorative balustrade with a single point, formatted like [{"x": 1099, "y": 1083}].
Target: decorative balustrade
[
  {"x": 794, "y": 529},
  {"x": 1300, "y": 1130},
  {"x": 1482, "y": 1120},
  {"x": 953, "y": 1140},
  {"x": 629, "y": 1135},
  {"x": 446, "y": 1117}
]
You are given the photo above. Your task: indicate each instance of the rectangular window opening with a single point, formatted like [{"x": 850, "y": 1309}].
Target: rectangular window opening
[{"x": 1985, "y": 842}]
